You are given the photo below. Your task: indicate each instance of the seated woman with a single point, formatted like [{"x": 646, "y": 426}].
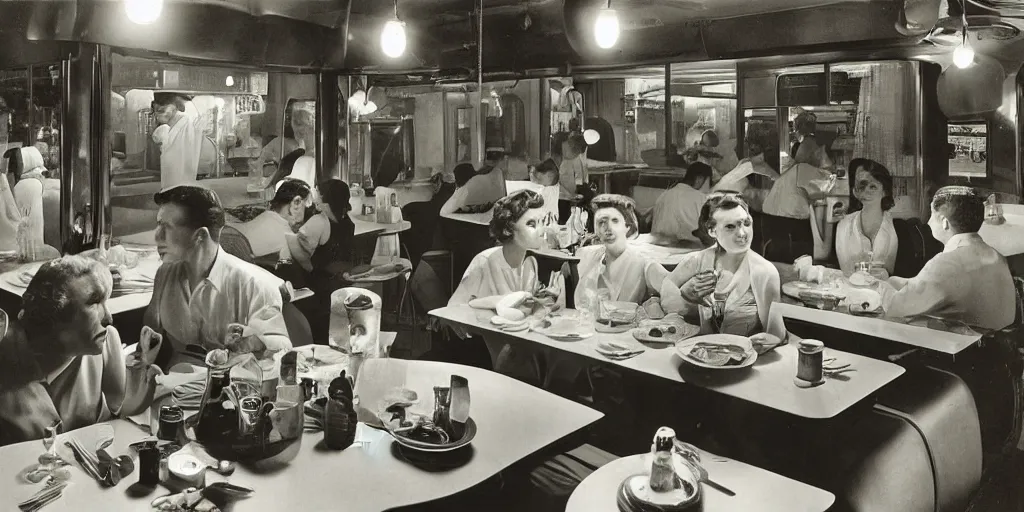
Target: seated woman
[
  {"x": 730, "y": 270},
  {"x": 517, "y": 226},
  {"x": 323, "y": 246},
  {"x": 866, "y": 232},
  {"x": 64, "y": 362},
  {"x": 614, "y": 265}
]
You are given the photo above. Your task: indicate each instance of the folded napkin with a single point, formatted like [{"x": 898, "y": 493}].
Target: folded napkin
[
  {"x": 380, "y": 272},
  {"x": 618, "y": 351},
  {"x": 189, "y": 395}
]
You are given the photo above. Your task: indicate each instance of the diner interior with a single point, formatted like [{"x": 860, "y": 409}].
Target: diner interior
[{"x": 512, "y": 255}]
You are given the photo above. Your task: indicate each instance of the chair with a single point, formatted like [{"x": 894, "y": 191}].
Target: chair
[
  {"x": 299, "y": 331},
  {"x": 236, "y": 244}
]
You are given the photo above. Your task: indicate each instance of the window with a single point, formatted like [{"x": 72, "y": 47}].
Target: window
[{"x": 228, "y": 129}]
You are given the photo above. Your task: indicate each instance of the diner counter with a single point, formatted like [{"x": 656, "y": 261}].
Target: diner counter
[
  {"x": 769, "y": 382},
  {"x": 370, "y": 477}
]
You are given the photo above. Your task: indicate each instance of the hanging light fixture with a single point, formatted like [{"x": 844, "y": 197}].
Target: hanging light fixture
[
  {"x": 606, "y": 28},
  {"x": 143, "y": 12},
  {"x": 392, "y": 36},
  {"x": 963, "y": 55}
]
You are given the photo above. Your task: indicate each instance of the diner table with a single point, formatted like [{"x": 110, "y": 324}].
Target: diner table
[
  {"x": 513, "y": 419},
  {"x": 755, "y": 488},
  {"x": 769, "y": 382},
  {"x": 950, "y": 339},
  {"x": 118, "y": 303}
]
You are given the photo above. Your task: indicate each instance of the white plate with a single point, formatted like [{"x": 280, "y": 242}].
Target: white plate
[
  {"x": 683, "y": 330},
  {"x": 793, "y": 288},
  {"x": 683, "y": 349},
  {"x": 562, "y": 328}
]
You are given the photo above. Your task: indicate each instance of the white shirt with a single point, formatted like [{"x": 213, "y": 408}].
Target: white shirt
[
  {"x": 180, "y": 151},
  {"x": 266, "y": 232},
  {"x": 571, "y": 172},
  {"x": 480, "y": 189},
  {"x": 233, "y": 292},
  {"x": 790, "y": 195},
  {"x": 969, "y": 282},
  {"x": 490, "y": 274},
  {"x": 677, "y": 212},
  {"x": 853, "y": 246}
]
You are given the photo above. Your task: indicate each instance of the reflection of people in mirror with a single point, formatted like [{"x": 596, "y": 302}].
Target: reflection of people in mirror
[{"x": 180, "y": 143}]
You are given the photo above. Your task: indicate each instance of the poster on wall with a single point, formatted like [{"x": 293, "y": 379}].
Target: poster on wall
[
  {"x": 706, "y": 118},
  {"x": 967, "y": 145}
]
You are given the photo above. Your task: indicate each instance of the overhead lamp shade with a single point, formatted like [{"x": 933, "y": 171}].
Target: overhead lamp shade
[{"x": 975, "y": 90}]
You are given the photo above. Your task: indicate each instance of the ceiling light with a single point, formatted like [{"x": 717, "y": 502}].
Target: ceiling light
[
  {"x": 392, "y": 36},
  {"x": 963, "y": 55},
  {"x": 606, "y": 28},
  {"x": 591, "y": 136},
  {"x": 229, "y": 81},
  {"x": 143, "y": 12}
]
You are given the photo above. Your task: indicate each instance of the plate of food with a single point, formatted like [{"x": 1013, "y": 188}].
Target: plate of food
[
  {"x": 671, "y": 329},
  {"x": 616, "y": 317},
  {"x": 718, "y": 351},
  {"x": 794, "y": 288},
  {"x": 561, "y": 328}
]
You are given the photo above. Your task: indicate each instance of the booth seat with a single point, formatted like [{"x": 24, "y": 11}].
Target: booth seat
[{"x": 939, "y": 405}]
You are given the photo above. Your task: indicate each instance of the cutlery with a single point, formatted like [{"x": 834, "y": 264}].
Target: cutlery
[
  {"x": 719, "y": 487},
  {"x": 83, "y": 459},
  {"x": 833, "y": 373},
  {"x": 44, "y": 497}
]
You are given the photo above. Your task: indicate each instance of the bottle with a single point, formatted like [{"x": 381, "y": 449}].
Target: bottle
[{"x": 663, "y": 474}]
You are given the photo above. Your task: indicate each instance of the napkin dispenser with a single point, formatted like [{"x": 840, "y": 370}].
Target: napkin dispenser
[{"x": 388, "y": 210}]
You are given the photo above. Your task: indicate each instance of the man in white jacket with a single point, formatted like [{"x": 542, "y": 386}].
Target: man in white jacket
[
  {"x": 180, "y": 143},
  {"x": 969, "y": 281}
]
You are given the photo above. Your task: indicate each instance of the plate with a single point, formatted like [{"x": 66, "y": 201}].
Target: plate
[
  {"x": 793, "y": 288},
  {"x": 683, "y": 331},
  {"x": 634, "y": 495},
  {"x": 561, "y": 328},
  {"x": 683, "y": 349},
  {"x": 467, "y": 437}
]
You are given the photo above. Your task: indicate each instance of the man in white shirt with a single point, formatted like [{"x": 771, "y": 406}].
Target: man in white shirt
[
  {"x": 181, "y": 143},
  {"x": 677, "y": 210},
  {"x": 969, "y": 281},
  {"x": 266, "y": 233},
  {"x": 572, "y": 171},
  {"x": 201, "y": 293}
]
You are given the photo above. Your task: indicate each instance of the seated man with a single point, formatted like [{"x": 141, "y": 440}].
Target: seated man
[
  {"x": 969, "y": 281},
  {"x": 546, "y": 174},
  {"x": 63, "y": 360},
  {"x": 677, "y": 211},
  {"x": 287, "y": 211},
  {"x": 200, "y": 290}
]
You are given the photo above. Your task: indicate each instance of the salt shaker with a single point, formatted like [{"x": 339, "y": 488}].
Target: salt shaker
[{"x": 809, "y": 371}]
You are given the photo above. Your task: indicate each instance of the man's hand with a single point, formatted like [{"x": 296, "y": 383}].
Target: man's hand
[{"x": 238, "y": 343}]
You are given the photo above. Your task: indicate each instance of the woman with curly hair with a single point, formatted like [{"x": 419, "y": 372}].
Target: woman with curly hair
[
  {"x": 730, "y": 272},
  {"x": 614, "y": 265},
  {"x": 517, "y": 226}
]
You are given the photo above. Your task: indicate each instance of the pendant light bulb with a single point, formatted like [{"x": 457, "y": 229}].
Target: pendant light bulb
[
  {"x": 143, "y": 12},
  {"x": 963, "y": 56},
  {"x": 392, "y": 39},
  {"x": 606, "y": 28}
]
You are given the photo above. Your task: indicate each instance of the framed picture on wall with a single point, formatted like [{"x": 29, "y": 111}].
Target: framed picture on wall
[{"x": 967, "y": 146}]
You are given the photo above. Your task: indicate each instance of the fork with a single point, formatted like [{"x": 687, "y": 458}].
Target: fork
[{"x": 48, "y": 494}]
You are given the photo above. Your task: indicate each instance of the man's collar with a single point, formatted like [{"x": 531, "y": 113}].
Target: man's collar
[
  {"x": 281, "y": 218},
  {"x": 960, "y": 240},
  {"x": 219, "y": 270}
]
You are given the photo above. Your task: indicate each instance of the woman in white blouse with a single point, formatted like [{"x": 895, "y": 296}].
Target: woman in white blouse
[
  {"x": 614, "y": 265},
  {"x": 867, "y": 233},
  {"x": 517, "y": 225}
]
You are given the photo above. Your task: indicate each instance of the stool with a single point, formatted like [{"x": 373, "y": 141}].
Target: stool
[{"x": 406, "y": 277}]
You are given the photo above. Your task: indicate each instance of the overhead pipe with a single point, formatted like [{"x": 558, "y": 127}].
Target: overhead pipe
[{"x": 482, "y": 128}]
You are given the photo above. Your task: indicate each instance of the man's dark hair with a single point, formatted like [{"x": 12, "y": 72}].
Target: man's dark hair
[
  {"x": 695, "y": 171},
  {"x": 962, "y": 206},
  {"x": 463, "y": 173},
  {"x": 337, "y": 195},
  {"x": 508, "y": 210},
  {"x": 547, "y": 167},
  {"x": 201, "y": 206},
  {"x": 288, "y": 191},
  {"x": 161, "y": 99}
]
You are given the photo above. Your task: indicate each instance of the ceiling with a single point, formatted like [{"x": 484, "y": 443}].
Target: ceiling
[{"x": 524, "y": 37}]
